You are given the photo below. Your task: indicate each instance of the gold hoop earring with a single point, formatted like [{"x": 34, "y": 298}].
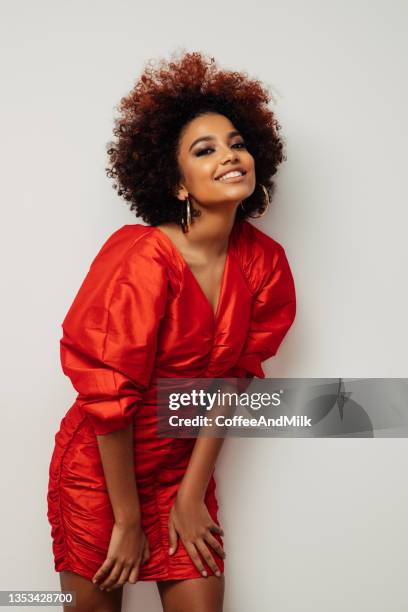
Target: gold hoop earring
[
  {"x": 186, "y": 216},
  {"x": 266, "y": 203}
]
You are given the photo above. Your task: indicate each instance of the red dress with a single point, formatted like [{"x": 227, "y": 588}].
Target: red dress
[{"x": 140, "y": 313}]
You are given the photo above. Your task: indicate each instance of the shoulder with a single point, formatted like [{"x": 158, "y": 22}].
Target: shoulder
[
  {"x": 132, "y": 241},
  {"x": 129, "y": 257},
  {"x": 131, "y": 254},
  {"x": 254, "y": 240},
  {"x": 137, "y": 250},
  {"x": 259, "y": 254}
]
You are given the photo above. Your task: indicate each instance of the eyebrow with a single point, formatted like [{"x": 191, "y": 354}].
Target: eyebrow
[{"x": 206, "y": 138}]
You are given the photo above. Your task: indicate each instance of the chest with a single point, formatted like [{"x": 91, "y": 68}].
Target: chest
[
  {"x": 209, "y": 278},
  {"x": 207, "y": 320}
]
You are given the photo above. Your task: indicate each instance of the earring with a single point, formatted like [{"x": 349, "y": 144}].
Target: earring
[
  {"x": 186, "y": 217},
  {"x": 266, "y": 203}
]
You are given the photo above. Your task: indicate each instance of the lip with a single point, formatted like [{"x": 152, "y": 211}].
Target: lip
[
  {"x": 238, "y": 169},
  {"x": 234, "y": 179}
]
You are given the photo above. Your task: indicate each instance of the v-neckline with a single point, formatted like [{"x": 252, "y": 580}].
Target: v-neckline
[{"x": 215, "y": 313}]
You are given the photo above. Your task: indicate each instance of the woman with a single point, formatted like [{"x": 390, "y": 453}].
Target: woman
[{"x": 196, "y": 292}]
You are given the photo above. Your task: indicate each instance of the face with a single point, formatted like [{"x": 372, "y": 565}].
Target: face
[{"x": 210, "y": 147}]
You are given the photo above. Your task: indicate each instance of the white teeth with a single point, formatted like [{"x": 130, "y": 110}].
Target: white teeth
[{"x": 231, "y": 174}]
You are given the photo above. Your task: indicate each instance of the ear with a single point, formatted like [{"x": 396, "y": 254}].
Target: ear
[{"x": 181, "y": 193}]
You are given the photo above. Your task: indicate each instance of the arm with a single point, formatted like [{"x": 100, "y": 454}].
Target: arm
[
  {"x": 116, "y": 451},
  {"x": 200, "y": 468},
  {"x": 273, "y": 312},
  {"x": 207, "y": 448},
  {"x": 189, "y": 516},
  {"x": 128, "y": 547},
  {"x": 108, "y": 351}
]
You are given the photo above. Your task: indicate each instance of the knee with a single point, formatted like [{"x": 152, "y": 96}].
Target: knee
[
  {"x": 88, "y": 596},
  {"x": 198, "y": 595}
]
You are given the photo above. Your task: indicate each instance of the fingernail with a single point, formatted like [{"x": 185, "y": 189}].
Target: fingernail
[
  {"x": 218, "y": 573},
  {"x": 170, "y": 551},
  {"x": 204, "y": 573}
]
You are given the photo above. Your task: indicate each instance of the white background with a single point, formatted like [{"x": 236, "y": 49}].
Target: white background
[{"x": 310, "y": 524}]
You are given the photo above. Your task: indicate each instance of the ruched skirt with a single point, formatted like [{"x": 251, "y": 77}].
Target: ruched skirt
[{"x": 79, "y": 508}]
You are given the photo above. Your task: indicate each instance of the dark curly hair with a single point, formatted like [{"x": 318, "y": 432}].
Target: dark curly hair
[{"x": 169, "y": 94}]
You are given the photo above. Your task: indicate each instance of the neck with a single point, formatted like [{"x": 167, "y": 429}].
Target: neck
[
  {"x": 209, "y": 233},
  {"x": 208, "y": 236}
]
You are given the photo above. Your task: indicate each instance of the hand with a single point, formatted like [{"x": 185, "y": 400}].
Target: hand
[
  {"x": 192, "y": 522},
  {"x": 128, "y": 549}
]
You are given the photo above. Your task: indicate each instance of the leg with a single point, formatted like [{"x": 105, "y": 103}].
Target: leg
[
  {"x": 89, "y": 598},
  {"x": 192, "y": 595}
]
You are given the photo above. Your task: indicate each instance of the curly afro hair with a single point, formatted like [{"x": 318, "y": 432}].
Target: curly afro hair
[{"x": 143, "y": 158}]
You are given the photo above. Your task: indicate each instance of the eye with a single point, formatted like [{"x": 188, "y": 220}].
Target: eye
[
  {"x": 203, "y": 151},
  {"x": 239, "y": 144}
]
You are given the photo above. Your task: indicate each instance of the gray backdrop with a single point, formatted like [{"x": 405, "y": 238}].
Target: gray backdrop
[{"x": 310, "y": 524}]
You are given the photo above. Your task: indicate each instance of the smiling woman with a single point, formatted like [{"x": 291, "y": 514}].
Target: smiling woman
[
  {"x": 197, "y": 292},
  {"x": 216, "y": 169},
  {"x": 167, "y": 97}
]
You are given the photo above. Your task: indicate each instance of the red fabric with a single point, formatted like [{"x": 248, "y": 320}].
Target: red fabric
[{"x": 140, "y": 314}]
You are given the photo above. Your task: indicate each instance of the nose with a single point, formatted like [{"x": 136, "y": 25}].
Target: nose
[{"x": 230, "y": 155}]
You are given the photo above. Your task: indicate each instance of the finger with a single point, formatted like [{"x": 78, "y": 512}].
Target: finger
[
  {"x": 172, "y": 538},
  {"x": 146, "y": 554},
  {"x": 145, "y": 557},
  {"x": 122, "y": 578},
  {"x": 217, "y": 529},
  {"x": 192, "y": 551},
  {"x": 113, "y": 576},
  {"x": 104, "y": 570},
  {"x": 214, "y": 543},
  {"x": 134, "y": 574},
  {"x": 203, "y": 548}
]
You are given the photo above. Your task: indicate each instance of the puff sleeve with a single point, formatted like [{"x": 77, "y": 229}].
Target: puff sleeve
[
  {"x": 110, "y": 332},
  {"x": 273, "y": 312}
]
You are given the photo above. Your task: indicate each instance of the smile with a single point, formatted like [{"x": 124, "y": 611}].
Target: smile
[{"x": 232, "y": 175}]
